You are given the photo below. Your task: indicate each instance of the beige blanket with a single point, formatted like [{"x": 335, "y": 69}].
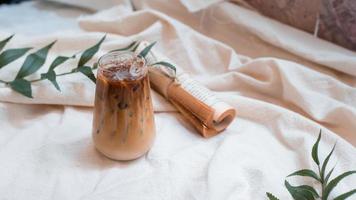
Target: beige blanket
[{"x": 47, "y": 152}]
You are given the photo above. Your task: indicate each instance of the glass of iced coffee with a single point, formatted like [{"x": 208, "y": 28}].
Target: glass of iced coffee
[{"x": 123, "y": 124}]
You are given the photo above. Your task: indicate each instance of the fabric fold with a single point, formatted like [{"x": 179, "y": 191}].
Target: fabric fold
[{"x": 47, "y": 150}]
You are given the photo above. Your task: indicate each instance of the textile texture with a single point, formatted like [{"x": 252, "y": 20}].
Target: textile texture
[{"x": 285, "y": 85}]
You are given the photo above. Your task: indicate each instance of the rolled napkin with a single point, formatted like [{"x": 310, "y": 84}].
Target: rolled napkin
[{"x": 200, "y": 106}]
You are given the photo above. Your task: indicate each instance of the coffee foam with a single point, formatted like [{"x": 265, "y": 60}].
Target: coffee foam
[{"x": 128, "y": 69}]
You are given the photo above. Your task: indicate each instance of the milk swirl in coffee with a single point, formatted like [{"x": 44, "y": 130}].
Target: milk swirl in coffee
[{"x": 123, "y": 124}]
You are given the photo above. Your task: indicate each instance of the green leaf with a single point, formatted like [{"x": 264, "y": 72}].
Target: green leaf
[
  {"x": 303, "y": 192},
  {"x": 22, "y": 86},
  {"x": 305, "y": 172},
  {"x": 59, "y": 60},
  {"x": 5, "y": 41},
  {"x": 146, "y": 50},
  {"x": 135, "y": 47},
  {"x": 34, "y": 61},
  {"x": 11, "y": 55},
  {"x": 345, "y": 195},
  {"x": 166, "y": 64},
  {"x": 329, "y": 187},
  {"x": 328, "y": 175},
  {"x": 323, "y": 168},
  {"x": 271, "y": 196},
  {"x": 87, "y": 71},
  {"x": 315, "y": 150},
  {"x": 51, "y": 76},
  {"x": 90, "y": 52},
  {"x": 310, "y": 189},
  {"x": 125, "y": 48},
  {"x": 95, "y": 65}
]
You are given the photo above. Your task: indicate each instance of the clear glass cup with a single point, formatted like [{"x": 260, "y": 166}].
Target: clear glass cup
[{"x": 123, "y": 122}]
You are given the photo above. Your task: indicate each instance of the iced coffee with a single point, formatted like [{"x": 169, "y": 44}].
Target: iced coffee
[{"x": 123, "y": 124}]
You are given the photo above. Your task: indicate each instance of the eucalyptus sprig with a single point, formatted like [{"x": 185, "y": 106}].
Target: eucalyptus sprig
[
  {"x": 306, "y": 192},
  {"x": 34, "y": 61},
  {"x": 144, "y": 52}
]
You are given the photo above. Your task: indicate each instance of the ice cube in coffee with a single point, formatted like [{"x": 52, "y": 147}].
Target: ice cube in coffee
[{"x": 123, "y": 124}]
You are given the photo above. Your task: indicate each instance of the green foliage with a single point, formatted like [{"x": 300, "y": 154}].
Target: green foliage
[
  {"x": 147, "y": 49},
  {"x": 95, "y": 65},
  {"x": 328, "y": 175},
  {"x": 315, "y": 149},
  {"x": 126, "y": 48},
  {"x": 11, "y": 55},
  {"x": 59, "y": 60},
  {"x": 323, "y": 168},
  {"x": 271, "y": 196},
  {"x": 87, "y": 71},
  {"x": 329, "y": 187},
  {"x": 4, "y": 42},
  {"x": 89, "y": 53},
  {"x": 51, "y": 76},
  {"x": 22, "y": 86},
  {"x": 166, "y": 64},
  {"x": 135, "y": 47},
  {"x": 34, "y": 61},
  {"x": 302, "y": 192},
  {"x": 345, "y": 195},
  {"x": 305, "y": 192},
  {"x": 305, "y": 172}
]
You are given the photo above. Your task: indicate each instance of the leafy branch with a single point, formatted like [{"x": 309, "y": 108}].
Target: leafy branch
[
  {"x": 306, "y": 192},
  {"x": 34, "y": 61},
  {"x": 133, "y": 47}
]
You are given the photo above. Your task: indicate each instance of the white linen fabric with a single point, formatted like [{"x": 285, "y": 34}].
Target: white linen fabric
[{"x": 282, "y": 102}]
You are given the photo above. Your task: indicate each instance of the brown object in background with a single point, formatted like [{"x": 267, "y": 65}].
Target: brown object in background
[
  {"x": 123, "y": 124},
  {"x": 338, "y": 22},
  {"x": 332, "y": 20},
  {"x": 301, "y": 14}
]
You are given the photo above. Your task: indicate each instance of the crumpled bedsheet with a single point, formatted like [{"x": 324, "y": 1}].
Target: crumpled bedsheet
[{"x": 46, "y": 148}]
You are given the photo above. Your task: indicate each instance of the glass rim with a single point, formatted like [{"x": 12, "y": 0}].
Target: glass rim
[
  {"x": 118, "y": 53},
  {"x": 107, "y": 58}
]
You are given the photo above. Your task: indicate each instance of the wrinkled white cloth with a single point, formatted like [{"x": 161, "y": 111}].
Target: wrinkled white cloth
[{"x": 47, "y": 153}]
